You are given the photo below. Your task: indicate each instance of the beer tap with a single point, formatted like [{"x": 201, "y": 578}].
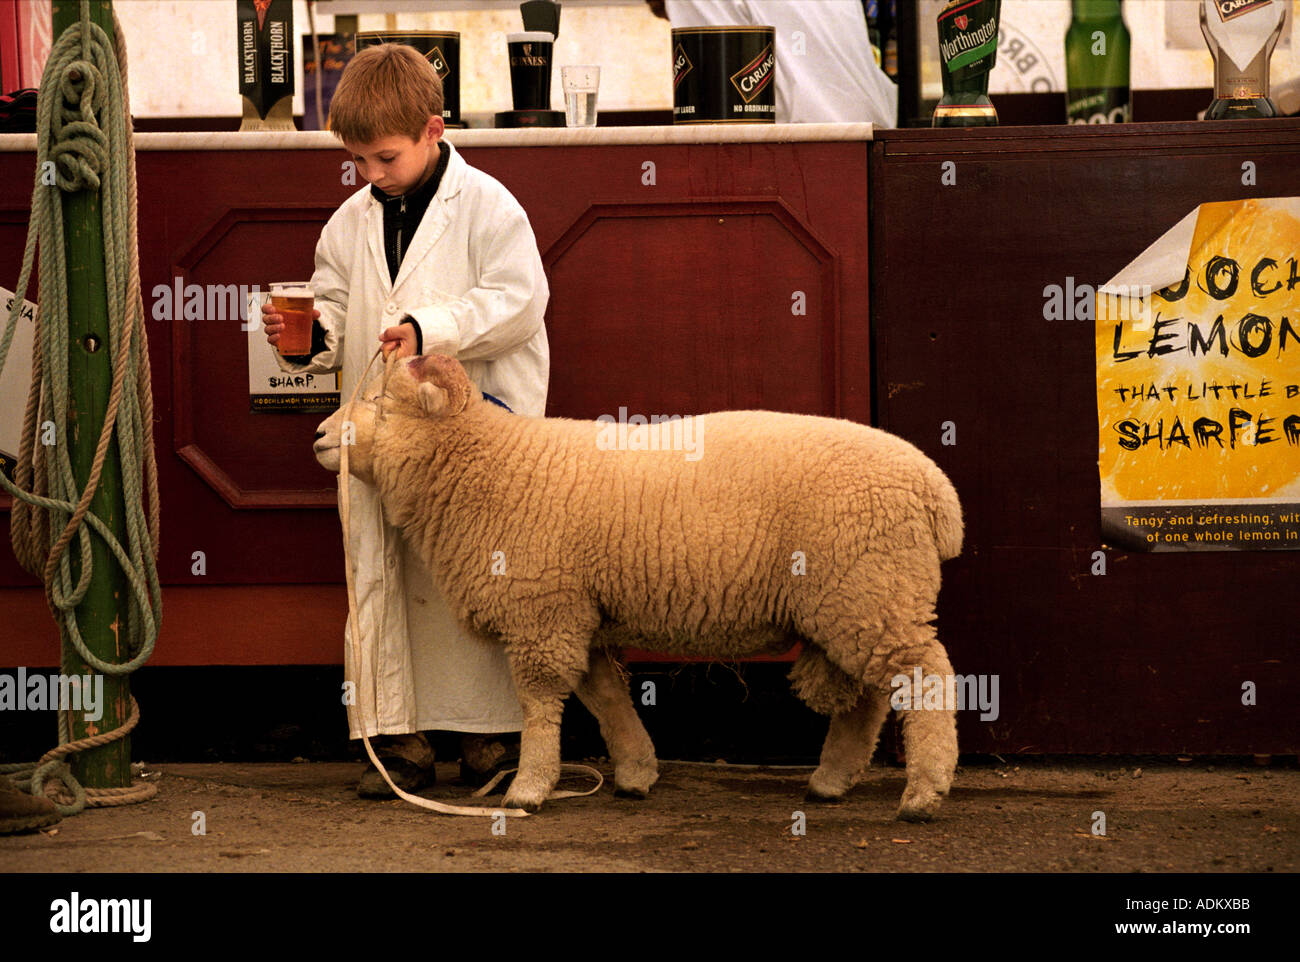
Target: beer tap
[
  {"x": 530, "y": 67},
  {"x": 543, "y": 15}
]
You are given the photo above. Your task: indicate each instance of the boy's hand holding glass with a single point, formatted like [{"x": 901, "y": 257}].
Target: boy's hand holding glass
[
  {"x": 274, "y": 322},
  {"x": 296, "y": 300}
]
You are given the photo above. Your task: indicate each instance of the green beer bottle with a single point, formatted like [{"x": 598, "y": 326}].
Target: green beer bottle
[
  {"x": 1097, "y": 64},
  {"x": 968, "y": 49}
]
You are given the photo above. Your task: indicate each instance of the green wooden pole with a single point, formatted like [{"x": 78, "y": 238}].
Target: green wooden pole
[{"x": 101, "y": 613}]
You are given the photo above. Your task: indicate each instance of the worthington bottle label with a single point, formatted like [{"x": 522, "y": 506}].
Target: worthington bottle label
[
  {"x": 968, "y": 36},
  {"x": 968, "y": 48}
]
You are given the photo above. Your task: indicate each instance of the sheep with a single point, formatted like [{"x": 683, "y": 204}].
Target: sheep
[{"x": 782, "y": 528}]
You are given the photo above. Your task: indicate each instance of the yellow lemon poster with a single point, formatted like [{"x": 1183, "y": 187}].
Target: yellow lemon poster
[{"x": 1198, "y": 385}]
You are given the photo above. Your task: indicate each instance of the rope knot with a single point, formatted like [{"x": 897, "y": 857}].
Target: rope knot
[{"x": 80, "y": 148}]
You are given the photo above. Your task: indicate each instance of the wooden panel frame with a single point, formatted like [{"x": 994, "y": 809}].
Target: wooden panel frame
[
  {"x": 184, "y": 442},
  {"x": 722, "y": 207}
]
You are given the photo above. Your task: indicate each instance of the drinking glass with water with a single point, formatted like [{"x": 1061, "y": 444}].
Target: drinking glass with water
[{"x": 580, "y": 86}]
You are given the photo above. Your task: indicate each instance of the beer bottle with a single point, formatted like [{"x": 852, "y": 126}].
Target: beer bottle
[
  {"x": 1097, "y": 64},
  {"x": 968, "y": 49},
  {"x": 1241, "y": 35}
]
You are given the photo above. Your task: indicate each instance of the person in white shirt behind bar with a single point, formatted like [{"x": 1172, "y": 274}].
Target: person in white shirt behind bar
[{"x": 835, "y": 79}]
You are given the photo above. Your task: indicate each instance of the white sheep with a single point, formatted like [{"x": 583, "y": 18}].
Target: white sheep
[{"x": 778, "y": 529}]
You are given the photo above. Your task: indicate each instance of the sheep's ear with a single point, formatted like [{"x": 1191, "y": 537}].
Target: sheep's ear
[
  {"x": 434, "y": 400},
  {"x": 445, "y": 374}
]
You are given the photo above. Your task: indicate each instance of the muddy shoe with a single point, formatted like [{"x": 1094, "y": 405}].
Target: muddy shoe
[
  {"x": 408, "y": 760},
  {"x": 483, "y": 757},
  {"x": 20, "y": 812}
]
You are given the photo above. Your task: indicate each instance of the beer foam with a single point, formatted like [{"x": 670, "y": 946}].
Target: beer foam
[
  {"x": 301, "y": 291},
  {"x": 530, "y": 36}
]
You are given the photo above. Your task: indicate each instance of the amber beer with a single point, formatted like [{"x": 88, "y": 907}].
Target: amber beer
[{"x": 293, "y": 300}]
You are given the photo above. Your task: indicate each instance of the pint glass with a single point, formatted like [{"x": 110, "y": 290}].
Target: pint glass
[
  {"x": 293, "y": 300},
  {"x": 530, "y": 69}
]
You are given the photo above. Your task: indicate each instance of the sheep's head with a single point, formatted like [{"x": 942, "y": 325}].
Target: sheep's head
[{"x": 431, "y": 386}]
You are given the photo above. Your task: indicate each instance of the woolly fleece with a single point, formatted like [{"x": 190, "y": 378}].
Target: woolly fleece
[{"x": 777, "y": 529}]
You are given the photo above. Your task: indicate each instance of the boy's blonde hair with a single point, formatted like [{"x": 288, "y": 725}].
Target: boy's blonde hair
[{"x": 385, "y": 90}]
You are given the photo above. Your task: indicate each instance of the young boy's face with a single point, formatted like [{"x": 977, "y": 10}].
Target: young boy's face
[{"x": 397, "y": 164}]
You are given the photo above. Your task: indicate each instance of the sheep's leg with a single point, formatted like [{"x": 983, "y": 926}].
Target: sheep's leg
[
  {"x": 604, "y": 691},
  {"x": 544, "y": 673},
  {"x": 878, "y": 652},
  {"x": 929, "y": 739},
  {"x": 539, "y": 750},
  {"x": 850, "y": 743}
]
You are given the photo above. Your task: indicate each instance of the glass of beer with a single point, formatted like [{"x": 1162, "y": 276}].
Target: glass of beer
[
  {"x": 293, "y": 300},
  {"x": 530, "y": 69}
]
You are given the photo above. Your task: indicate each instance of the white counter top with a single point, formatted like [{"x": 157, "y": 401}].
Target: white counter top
[{"x": 539, "y": 137}]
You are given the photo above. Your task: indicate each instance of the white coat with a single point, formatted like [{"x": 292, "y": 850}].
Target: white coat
[
  {"x": 472, "y": 279},
  {"x": 830, "y": 77}
]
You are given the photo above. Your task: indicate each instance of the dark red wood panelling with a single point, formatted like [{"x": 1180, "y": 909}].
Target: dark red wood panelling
[
  {"x": 216, "y": 625},
  {"x": 719, "y": 338},
  {"x": 655, "y": 305},
  {"x": 1150, "y": 657},
  {"x": 216, "y": 434}
]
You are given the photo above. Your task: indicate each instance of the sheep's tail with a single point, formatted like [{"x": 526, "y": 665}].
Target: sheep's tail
[{"x": 945, "y": 513}]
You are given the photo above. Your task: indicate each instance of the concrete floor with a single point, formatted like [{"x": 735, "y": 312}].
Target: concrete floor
[{"x": 1024, "y": 816}]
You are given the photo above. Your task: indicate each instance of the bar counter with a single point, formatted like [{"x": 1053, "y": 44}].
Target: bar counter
[{"x": 675, "y": 257}]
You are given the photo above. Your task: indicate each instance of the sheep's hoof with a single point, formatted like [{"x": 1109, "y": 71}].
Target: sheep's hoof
[
  {"x": 635, "y": 780},
  {"x": 827, "y": 786},
  {"x": 527, "y": 804},
  {"x": 918, "y": 806}
]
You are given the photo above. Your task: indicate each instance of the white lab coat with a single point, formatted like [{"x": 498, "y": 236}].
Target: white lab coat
[
  {"x": 834, "y": 79},
  {"x": 473, "y": 280}
]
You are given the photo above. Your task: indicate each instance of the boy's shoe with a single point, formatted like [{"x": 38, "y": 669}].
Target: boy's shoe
[
  {"x": 483, "y": 757},
  {"x": 21, "y": 812},
  {"x": 408, "y": 760}
]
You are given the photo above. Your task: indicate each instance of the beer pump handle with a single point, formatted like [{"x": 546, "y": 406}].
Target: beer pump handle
[{"x": 541, "y": 15}]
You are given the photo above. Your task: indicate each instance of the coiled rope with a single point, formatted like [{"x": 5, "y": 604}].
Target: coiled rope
[{"x": 83, "y": 127}]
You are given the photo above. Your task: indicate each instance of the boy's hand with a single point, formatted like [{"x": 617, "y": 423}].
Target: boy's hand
[
  {"x": 400, "y": 339},
  {"x": 274, "y": 323}
]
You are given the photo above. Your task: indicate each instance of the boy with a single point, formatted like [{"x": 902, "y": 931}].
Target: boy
[{"x": 433, "y": 256}]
